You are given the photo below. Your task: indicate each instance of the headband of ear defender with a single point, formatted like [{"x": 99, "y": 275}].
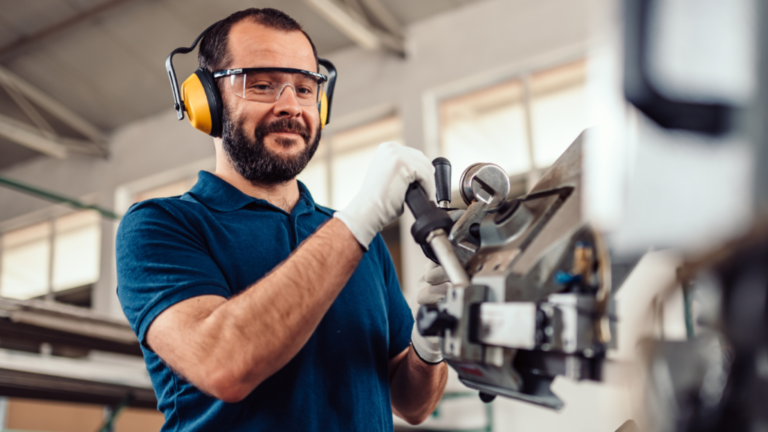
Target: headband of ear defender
[{"x": 200, "y": 98}]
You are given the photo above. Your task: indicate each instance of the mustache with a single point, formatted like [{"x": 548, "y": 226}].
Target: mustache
[{"x": 283, "y": 125}]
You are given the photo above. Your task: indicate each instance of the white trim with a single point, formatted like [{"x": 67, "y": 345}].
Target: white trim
[{"x": 106, "y": 369}]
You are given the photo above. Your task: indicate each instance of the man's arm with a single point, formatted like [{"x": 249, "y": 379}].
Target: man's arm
[
  {"x": 228, "y": 347},
  {"x": 415, "y": 386}
]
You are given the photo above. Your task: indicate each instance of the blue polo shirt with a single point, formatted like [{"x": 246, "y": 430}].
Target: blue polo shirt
[{"x": 215, "y": 240}]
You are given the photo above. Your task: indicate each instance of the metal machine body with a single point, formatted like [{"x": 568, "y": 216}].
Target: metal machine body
[{"x": 535, "y": 302}]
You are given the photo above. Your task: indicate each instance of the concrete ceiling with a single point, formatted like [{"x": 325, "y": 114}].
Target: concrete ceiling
[{"x": 104, "y": 59}]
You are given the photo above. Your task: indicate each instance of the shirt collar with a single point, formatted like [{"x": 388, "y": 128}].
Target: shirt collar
[{"x": 222, "y": 196}]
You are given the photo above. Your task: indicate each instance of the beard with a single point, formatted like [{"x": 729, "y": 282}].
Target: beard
[{"x": 258, "y": 164}]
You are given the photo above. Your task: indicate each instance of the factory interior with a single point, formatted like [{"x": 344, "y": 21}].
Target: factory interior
[{"x": 607, "y": 241}]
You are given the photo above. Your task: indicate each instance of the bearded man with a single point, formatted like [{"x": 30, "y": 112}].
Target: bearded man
[{"x": 257, "y": 309}]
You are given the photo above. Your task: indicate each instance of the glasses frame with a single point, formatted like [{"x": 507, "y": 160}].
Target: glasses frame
[
  {"x": 229, "y": 72},
  {"x": 224, "y": 73}
]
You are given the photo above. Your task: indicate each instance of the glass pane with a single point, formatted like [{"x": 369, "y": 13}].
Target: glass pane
[
  {"x": 315, "y": 177},
  {"x": 24, "y": 270},
  {"x": 558, "y": 110},
  {"x": 485, "y": 126},
  {"x": 76, "y": 250},
  {"x": 353, "y": 152},
  {"x": 349, "y": 170}
]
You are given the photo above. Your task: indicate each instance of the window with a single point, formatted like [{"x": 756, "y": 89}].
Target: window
[
  {"x": 52, "y": 258},
  {"x": 522, "y": 125},
  {"x": 315, "y": 175},
  {"x": 486, "y": 126},
  {"x": 337, "y": 170},
  {"x": 558, "y": 111}
]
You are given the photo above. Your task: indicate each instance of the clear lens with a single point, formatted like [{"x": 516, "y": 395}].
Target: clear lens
[{"x": 268, "y": 87}]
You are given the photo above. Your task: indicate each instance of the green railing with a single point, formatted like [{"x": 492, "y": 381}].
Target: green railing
[{"x": 55, "y": 197}]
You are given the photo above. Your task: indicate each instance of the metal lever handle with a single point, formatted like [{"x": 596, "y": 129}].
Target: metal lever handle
[{"x": 430, "y": 228}]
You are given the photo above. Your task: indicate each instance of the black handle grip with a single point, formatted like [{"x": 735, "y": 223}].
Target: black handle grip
[
  {"x": 442, "y": 179},
  {"x": 417, "y": 200},
  {"x": 428, "y": 216},
  {"x": 430, "y": 321}
]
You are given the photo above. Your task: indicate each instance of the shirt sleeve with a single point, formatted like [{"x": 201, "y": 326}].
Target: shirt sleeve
[
  {"x": 400, "y": 315},
  {"x": 161, "y": 260}
]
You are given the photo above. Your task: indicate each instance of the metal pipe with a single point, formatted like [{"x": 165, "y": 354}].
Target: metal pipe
[{"x": 444, "y": 252}]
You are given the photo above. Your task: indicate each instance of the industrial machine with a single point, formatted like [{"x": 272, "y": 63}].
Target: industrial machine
[{"x": 531, "y": 280}]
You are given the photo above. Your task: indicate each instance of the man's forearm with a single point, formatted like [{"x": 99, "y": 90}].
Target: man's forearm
[
  {"x": 417, "y": 387},
  {"x": 246, "y": 339}
]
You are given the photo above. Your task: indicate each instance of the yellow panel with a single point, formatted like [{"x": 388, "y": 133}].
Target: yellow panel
[
  {"x": 139, "y": 420},
  {"x": 323, "y": 109},
  {"x": 26, "y": 414},
  {"x": 196, "y": 104}
]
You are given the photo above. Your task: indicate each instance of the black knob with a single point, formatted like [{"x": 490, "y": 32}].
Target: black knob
[
  {"x": 442, "y": 179},
  {"x": 431, "y": 321},
  {"x": 487, "y": 398}
]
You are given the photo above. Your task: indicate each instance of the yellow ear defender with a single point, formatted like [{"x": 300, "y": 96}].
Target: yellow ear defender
[{"x": 200, "y": 98}]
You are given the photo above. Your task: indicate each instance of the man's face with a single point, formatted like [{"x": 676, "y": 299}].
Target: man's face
[{"x": 269, "y": 143}]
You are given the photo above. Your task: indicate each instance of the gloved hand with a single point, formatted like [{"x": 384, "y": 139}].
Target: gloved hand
[
  {"x": 382, "y": 195},
  {"x": 433, "y": 285}
]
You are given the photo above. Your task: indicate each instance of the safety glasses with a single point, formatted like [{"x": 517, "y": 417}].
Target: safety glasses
[{"x": 266, "y": 85}]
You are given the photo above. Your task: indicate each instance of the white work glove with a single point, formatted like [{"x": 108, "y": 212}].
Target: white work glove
[
  {"x": 382, "y": 195},
  {"x": 433, "y": 285}
]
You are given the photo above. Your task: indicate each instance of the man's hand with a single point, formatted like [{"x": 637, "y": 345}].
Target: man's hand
[
  {"x": 433, "y": 285},
  {"x": 418, "y": 375},
  {"x": 382, "y": 195}
]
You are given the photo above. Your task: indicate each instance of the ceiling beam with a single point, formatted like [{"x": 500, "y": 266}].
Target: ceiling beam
[
  {"x": 383, "y": 16},
  {"x": 27, "y": 136},
  {"x": 356, "y": 27},
  {"x": 53, "y": 107}
]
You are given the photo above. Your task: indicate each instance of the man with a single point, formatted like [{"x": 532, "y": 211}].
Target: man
[{"x": 256, "y": 308}]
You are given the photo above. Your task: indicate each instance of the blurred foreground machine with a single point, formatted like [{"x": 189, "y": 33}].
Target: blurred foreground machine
[
  {"x": 531, "y": 296},
  {"x": 717, "y": 379}
]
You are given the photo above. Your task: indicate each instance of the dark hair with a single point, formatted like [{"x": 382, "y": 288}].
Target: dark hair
[{"x": 214, "y": 52}]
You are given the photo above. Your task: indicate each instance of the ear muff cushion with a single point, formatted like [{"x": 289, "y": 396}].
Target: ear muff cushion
[
  {"x": 202, "y": 102},
  {"x": 323, "y": 107}
]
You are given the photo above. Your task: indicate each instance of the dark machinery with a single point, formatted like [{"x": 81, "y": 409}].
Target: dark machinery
[{"x": 531, "y": 295}]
